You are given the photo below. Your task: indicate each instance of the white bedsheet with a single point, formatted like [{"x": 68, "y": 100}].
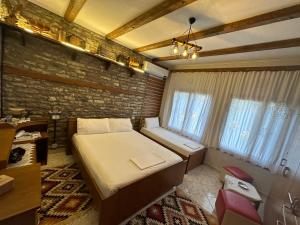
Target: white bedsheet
[
  {"x": 107, "y": 157},
  {"x": 171, "y": 140}
]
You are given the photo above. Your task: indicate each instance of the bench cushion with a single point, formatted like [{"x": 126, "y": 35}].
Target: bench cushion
[
  {"x": 236, "y": 203},
  {"x": 172, "y": 140},
  {"x": 238, "y": 173}
]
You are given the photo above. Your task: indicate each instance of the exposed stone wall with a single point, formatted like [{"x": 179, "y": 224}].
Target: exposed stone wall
[
  {"x": 108, "y": 48},
  {"x": 39, "y": 96}
]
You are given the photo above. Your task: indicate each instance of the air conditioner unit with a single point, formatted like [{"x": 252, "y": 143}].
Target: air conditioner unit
[{"x": 155, "y": 70}]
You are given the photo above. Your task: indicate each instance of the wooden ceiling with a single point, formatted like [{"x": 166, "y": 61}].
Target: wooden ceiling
[{"x": 224, "y": 28}]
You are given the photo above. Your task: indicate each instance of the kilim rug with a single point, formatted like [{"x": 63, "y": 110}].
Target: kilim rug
[
  {"x": 174, "y": 209},
  {"x": 64, "y": 194}
]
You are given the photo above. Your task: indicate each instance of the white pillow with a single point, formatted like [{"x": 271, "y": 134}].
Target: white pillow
[
  {"x": 120, "y": 125},
  {"x": 92, "y": 126},
  {"x": 152, "y": 122}
]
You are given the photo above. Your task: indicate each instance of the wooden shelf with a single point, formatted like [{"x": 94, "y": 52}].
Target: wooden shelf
[{"x": 132, "y": 70}]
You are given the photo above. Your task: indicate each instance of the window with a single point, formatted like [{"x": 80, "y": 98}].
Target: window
[
  {"x": 252, "y": 130},
  {"x": 189, "y": 114},
  {"x": 180, "y": 101}
]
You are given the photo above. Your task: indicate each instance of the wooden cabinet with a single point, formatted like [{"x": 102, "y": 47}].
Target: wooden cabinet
[
  {"x": 7, "y": 135},
  {"x": 19, "y": 205}
]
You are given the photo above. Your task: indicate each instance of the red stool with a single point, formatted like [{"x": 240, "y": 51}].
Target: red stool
[
  {"x": 234, "y": 209},
  {"x": 238, "y": 173}
]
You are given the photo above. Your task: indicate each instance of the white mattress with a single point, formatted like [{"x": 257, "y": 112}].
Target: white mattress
[
  {"x": 107, "y": 157},
  {"x": 171, "y": 140}
]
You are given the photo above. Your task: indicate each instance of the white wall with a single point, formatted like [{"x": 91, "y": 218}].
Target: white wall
[{"x": 263, "y": 179}]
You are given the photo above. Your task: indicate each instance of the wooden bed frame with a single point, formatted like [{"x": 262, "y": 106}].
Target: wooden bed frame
[
  {"x": 195, "y": 159},
  {"x": 130, "y": 199}
]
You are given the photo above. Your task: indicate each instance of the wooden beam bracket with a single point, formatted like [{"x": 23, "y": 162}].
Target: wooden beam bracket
[
  {"x": 74, "y": 55},
  {"x": 107, "y": 65}
]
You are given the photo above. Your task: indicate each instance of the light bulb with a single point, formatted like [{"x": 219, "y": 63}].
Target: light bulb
[
  {"x": 175, "y": 49},
  {"x": 194, "y": 56},
  {"x": 185, "y": 52}
]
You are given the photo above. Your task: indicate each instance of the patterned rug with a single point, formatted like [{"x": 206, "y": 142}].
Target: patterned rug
[
  {"x": 64, "y": 194},
  {"x": 174, "y": 209}
]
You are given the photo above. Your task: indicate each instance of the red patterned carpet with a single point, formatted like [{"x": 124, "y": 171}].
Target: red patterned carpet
[
  {"x": 174, "y": 209},
  {"x": 63, "y": 194}
]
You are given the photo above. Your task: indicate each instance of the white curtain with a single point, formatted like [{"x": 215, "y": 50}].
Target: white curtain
[
  {"x": 189, "y": 114},
  {"x": 248, "y": 114}
]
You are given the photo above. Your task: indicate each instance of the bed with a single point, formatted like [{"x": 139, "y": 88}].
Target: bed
[
  {"x": 186, "y": 148},
  {"x": 119, "y": 188}
]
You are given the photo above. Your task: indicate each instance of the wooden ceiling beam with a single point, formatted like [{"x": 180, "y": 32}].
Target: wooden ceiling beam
[
  {"x": 154, "y": 13},
  {"x": 295, "y": 42},
  {"x": 263, "y": 19},
  {"x": 73, "y": 9},
  {"x": 240, "y": 69}
]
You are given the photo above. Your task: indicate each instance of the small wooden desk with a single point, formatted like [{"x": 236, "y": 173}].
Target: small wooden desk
[{"x": 20, "y": 204}]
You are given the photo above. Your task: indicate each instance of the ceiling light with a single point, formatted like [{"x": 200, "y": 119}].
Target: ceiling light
[
  {"x": 175, "y": 48},
  {"x": 194, "y": 55},
  {"x": 185, "y": 52},
  {"x": 138, "y": 70},
  {"x": 188, "y": 46},
  {"x": 72, "y": 46},
  {"x": 28, "y": 30}
]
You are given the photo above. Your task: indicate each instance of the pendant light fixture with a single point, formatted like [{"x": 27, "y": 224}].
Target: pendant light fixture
[{"x": 186, "y": 48}]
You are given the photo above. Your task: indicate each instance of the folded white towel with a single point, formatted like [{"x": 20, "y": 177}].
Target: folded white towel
[
  {"x": 193, "y": 145},
  {"x": 147, "y": 160}
]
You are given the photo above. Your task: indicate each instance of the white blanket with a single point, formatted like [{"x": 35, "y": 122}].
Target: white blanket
[{"x": 107, "y": 157}]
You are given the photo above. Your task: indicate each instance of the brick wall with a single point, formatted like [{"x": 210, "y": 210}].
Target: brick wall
[
  {"x": 44, "y": 58},
  {"x": 39, "y": 96}
]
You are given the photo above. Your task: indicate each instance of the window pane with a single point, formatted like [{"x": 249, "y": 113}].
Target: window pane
[
  {"x": 189, "y": 114},
  {"x": 198, "y": 110},
  {"x": 269, "y": 133},
  {"x": 180, "y": 101},
  {"x": 239, "y": 125}
]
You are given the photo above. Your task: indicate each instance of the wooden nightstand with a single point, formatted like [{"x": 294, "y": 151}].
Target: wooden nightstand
[
  {"x": 19, "y": 205},
  {"x": 41, "y": 143}
]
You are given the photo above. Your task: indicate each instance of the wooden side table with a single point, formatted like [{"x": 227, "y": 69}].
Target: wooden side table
[
  {"x": 19, "y": 205},
  {"x": 41, "y": 143}
]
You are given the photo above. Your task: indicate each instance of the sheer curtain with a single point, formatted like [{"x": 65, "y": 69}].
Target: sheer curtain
[
  {"x": 189, "y": 114},
  {"x": 253, "y": 130},
  {"x": 250, "y": 114}
]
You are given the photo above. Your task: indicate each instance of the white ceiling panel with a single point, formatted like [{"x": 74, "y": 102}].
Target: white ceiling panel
[
  {"x": 107, "y": 15},
  {"x": 241, "y": 63},
  {"x": 271, "y": 32},
  {"x": 209, "y": 13},
  {"x": 259, "y": 55},
  {"x": 58, "y": 7}
]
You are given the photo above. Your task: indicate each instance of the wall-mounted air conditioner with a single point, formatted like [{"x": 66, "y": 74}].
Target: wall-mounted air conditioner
[{"x": 155, "y": 70}]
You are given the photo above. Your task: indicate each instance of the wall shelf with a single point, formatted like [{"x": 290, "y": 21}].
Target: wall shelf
[{"x": 77, "y": 50}]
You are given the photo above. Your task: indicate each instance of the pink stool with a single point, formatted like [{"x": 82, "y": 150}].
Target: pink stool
[
  {"x": 234, "y": 209},
  {"x": 238, "y": 173}
]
